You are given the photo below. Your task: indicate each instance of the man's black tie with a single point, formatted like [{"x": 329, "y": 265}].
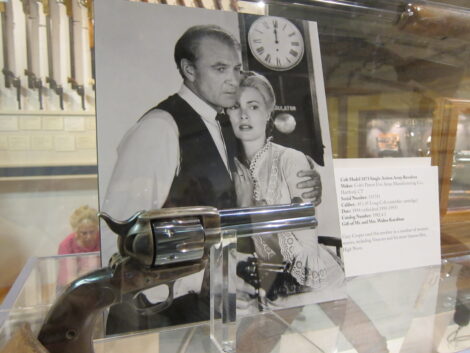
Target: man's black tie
[{"x": 229, "y": 138}]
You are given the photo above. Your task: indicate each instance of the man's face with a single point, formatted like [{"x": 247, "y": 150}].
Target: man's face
[{"x": 217, "y": 73}]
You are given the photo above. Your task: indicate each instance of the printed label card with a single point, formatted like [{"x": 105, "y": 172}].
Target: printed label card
[{"x": 389, "y": 218}]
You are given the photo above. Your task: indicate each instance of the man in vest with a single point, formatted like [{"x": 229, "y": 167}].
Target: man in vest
[{"x": 189, "y": 140}]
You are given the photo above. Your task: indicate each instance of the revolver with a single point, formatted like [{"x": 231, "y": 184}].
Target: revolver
[{"x": 155, "y": 248}]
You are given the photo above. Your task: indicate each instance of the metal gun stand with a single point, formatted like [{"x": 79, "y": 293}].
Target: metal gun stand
[{"x": 235, "y": 224}]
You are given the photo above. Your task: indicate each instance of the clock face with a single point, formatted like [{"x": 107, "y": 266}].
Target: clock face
[{"x": 276, "y": 43}]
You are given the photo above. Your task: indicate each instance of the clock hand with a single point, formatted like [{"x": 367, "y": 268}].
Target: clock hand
[{"x": 275, "y": 32}]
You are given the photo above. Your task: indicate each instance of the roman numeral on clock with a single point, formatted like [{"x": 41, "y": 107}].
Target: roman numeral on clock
[
  {"x": 268, "y": 58},
  {"x": 260, "y": 50},
  {"x": 293, "y": 53}
]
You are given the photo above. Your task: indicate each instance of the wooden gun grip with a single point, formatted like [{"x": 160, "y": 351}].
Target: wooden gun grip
[{"x": 69, "y": 325}]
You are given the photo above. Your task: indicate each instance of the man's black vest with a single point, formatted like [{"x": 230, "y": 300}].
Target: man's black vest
[{"x": 203, "y": 179}]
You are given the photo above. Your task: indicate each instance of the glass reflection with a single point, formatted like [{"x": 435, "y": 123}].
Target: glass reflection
[{"x": 459, "y": 196}]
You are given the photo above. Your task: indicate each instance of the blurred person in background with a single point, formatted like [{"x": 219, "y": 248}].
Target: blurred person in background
[
  {"x": 85, "y": 238},
  {"x": 86, "y": 233}
]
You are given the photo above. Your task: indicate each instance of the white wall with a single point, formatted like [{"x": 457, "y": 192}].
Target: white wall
[{"x": 34, "y": 218}]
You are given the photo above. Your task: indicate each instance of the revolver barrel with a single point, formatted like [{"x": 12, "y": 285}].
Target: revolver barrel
[
  {"x": 166, "y": 236},
  {"x": 268, "y": 219}
]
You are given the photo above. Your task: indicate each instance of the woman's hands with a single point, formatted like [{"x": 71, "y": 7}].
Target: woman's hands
[{"x": 243, "y": 185}]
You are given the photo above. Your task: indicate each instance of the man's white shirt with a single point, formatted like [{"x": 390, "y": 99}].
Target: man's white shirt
[{"x": 148, "y": 160}]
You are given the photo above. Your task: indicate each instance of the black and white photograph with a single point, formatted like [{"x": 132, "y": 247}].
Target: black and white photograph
[{"x": 200, "y": 107}]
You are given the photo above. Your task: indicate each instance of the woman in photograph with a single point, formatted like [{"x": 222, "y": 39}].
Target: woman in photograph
[{"x": 267, "y": 175}]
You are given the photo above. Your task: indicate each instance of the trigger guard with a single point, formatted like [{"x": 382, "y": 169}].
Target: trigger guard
[{"x": 145, "y": 307}]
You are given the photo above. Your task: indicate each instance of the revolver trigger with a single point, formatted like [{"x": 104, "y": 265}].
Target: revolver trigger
[{"x": 145, "y": 307}]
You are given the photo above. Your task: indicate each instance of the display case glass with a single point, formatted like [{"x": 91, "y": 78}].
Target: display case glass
[
  {"x": 388, "y": 312},
  {"x": 450, "y": 152},
  {"x": 397, "y": 85}
]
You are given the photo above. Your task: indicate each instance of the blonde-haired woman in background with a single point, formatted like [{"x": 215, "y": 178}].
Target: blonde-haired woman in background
[
  {"x": 85, "y": 238},
  {"x": 86, "y": 233}
]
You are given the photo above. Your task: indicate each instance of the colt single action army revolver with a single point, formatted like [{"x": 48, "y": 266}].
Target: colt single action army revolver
[{"x": 155, "y": 248}]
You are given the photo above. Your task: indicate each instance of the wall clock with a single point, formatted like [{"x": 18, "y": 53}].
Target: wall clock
[
  {"x": 276, "y": 43},
  {"x": 280, "y": 49}
]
